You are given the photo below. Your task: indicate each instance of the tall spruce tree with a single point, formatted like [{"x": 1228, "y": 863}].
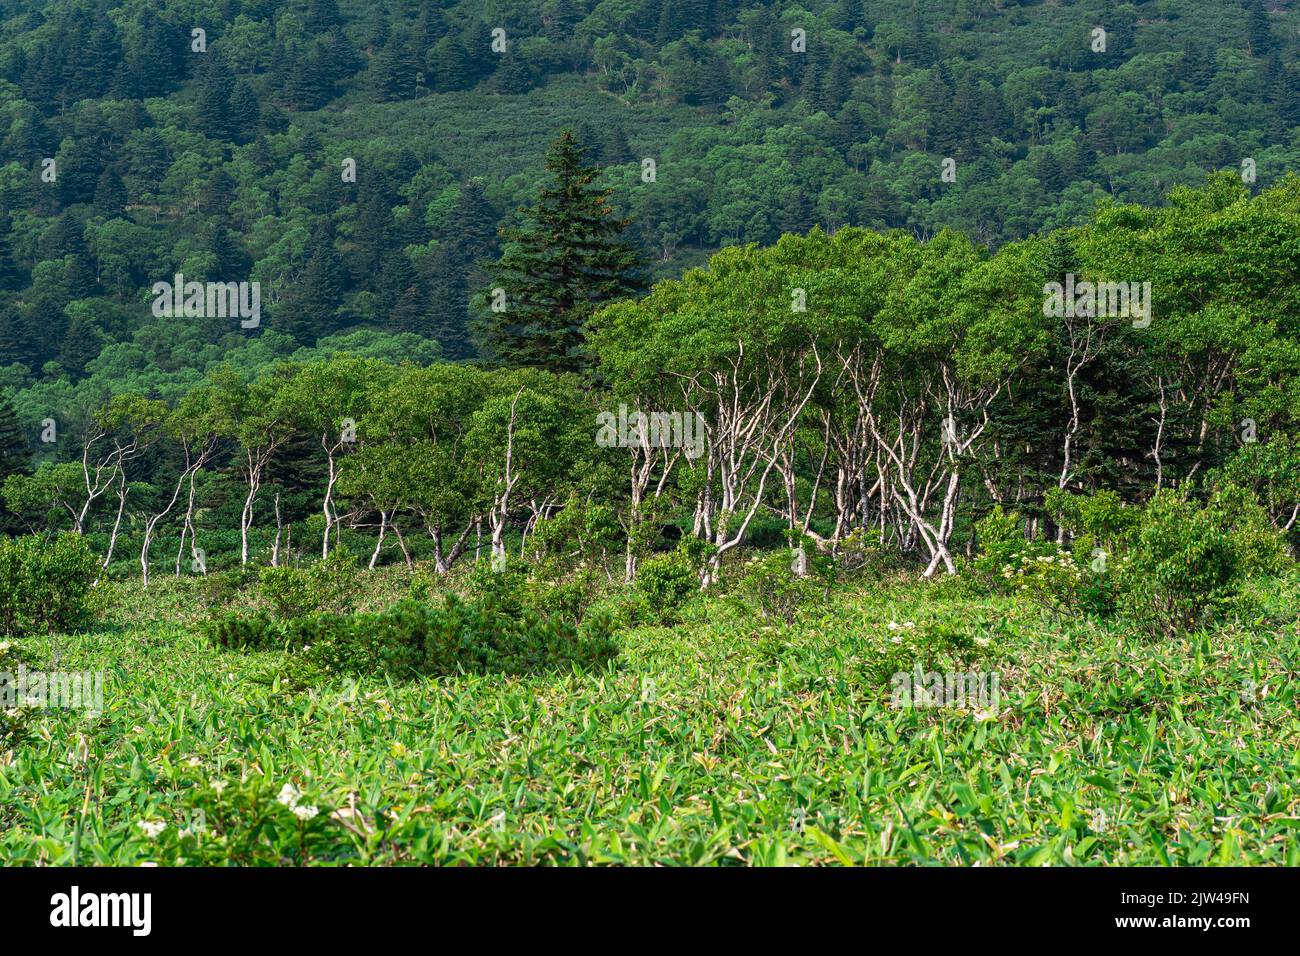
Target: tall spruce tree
[
  {"x": 15, "y": 454},
  {"x": 564, "y": 262},
  {"x": 110, "y": 193},
  {"x": 11, "y": 277},
  {"x": 467, "y": 238}
]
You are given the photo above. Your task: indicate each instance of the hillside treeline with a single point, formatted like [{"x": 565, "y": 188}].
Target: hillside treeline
[
  {"x": 130, "y": 151},
  {"x": 826, "y": 386}
]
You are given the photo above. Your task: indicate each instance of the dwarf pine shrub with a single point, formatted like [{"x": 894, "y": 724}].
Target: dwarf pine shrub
[{"x": 416, "y": 638}]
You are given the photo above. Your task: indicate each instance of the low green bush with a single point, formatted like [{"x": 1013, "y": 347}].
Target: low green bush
[
  {"x": 1064, "y": 583},
  {"x": 1001, "y": 543},
  {"x": 236, "y": 630},
  {"x": 506, "y": 588},
  {"x": 46, "y": 584},
  {"x": 770, "y": 586},
  {"x": 327, "y": 585},
  {"x": 1188, "y": 561},
  {"x": 860, "y": 556},
  {"x": 581, "y": 532},
  {"x": 568, "y": 597},
  {"x": 665, "y": 582},
  {"x": 221, "y": 588},
  {"x": 943, "y": 644},
  {"x": 415, "y": 638}
]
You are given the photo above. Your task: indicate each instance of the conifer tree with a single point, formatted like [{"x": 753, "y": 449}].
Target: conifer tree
[
  {"x": 566, "y": 260},
  {"x": 15, "y": 455},
  {"x": 110, "y": 193},
  {"x": 468, "y": 238},
  {"x": 11, "y": 276}
]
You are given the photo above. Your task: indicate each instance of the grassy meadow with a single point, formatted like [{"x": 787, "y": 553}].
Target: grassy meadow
[{"x": 726, "y": 739}]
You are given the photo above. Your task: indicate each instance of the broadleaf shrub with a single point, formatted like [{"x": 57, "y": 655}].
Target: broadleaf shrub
[
  {"x": 417, "y": 639},
  {"x": 1188, "y": 561},
  {"x": 46, "y": 584},
  {"x": 858, "y": 556},
  {"x": 322, "y": 586},
  {"x": 1001, "y": 541},
  {"x": 665, "y": 582},
  {"x": 769, "y": 585}
]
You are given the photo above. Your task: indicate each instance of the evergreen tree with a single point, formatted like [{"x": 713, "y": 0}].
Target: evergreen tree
[
  {"x": 372, "y": 235},
  {"x": 513, "y": 75},
  {"x": 1259, "y": 36},
  {"x": 212, "y": 111},
  {"x": 469, "y": 237},
  {"x": 231, "y": 261},
  {"x": 323, "y": 15},
  {"x": 392, "y": 71},
  {"x": 614, "y": 147},
  {"x": 565, "y": 261},
  {"x": 245, "y": 113},
  {"x": 11, "y": 277},
  {"x": 309, "y": 309},
  {"x": 471, "y": 225},
  {"x": 218, "y": 194},
  {"x": 65, "y": 240},
  {"x": 81, "y": 343},
  {"x": 159, "y": 60},
  {"x": 410, "y": 314},
  {"x": 449, "y": 298},
  {"x": 797, "y": 212},
  {"x": 15, "y": 345},
  {"x": 110, "y": 193},
  {"x": 453, "y": 67},
  {"x": 15, "y": 453}
]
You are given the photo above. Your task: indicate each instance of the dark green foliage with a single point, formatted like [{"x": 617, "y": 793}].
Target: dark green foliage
[
  {"x": 110, "y": 193},
  {"x": 666, "y": 582},
  {"x": 752, "y": 138},
  {"x": 564, "y": 261},
  {"x": 416, "y": 638},
  {"x": 46, "y": 584},
  {"x": 238, "y": 631},
  {"x": 455, "y": 274},
  {"x": 11, "y": 276},
  {"x": 15, "y": 453}
]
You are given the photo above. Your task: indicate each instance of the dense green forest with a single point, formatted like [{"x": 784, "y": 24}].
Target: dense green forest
[
  {"x": 375, "y": 173},
  {"x": 127, "y": 155},
  {"x": 676, "y": 432}
]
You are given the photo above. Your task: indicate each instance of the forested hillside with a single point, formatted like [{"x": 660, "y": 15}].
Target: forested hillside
[
  {"x": 374, "y": 170},
  {"x": 649, "y": 431},
  {"x": 132, "y": 148}
]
